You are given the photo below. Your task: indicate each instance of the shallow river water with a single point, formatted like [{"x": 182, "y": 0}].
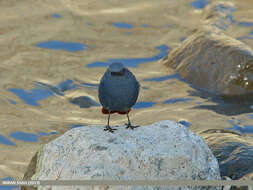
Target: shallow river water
[{"x": 53, "y": 54}]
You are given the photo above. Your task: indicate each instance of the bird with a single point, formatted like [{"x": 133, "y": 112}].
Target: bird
[{"x": 117, "y": 92}]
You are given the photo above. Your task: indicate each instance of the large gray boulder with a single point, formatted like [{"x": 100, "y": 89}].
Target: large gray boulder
[
  {"x": 211, "y": 60},
  {"x": 163, "y": 150}
]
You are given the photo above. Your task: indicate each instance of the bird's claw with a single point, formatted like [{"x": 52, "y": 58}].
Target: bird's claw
[
  {"x": 131, "y": 126},
  {"x": 109, "y": 129}
]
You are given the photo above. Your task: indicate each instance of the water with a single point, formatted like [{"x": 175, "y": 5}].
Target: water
[
  {"x": 129, "y": 33},
  {"x": 176, "y": 100},
  {"x": 123, "y": 25},
  {"x": 4, "y": 140},
  {"x": 31, "y": 97},
  {"x": 163, "y": 78},
  {"x": 245, "y": 129},
  {"x": 185, "y": 123},
  {"x": 245, "y": 37},
  {"x": 59, "y": 45},
  {"x": 245, "y": 24},
  {"x": 56, "y": 15},
  {"x": 133, "y": 62},
  {"x": 12, "y": 101},
  {"x": 28, "y": 137},
  {"x": 140, "y": 105},
  {"x": 182, "y": 39},
  {"x": 199, "y": 4},
  {"x": 145, "y": 25},
  {"x": 52, "y": 62}
]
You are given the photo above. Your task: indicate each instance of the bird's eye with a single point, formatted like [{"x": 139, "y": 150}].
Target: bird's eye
[{"x": 120, "y": 73}]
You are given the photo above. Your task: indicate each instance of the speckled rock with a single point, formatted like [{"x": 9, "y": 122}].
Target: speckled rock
[
  {"x": 163, "y": 150},
  {"x": 213, "y": 61}
]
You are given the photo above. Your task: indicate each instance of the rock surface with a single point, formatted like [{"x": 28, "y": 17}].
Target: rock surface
[
  {"x": 233, "y": 151},
  {"x": 163, "y": 150},
  {"x": 211, "y": 60}
]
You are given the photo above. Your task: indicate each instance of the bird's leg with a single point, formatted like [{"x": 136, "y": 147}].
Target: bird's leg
[
  {"x": 129, "y": 124},
  {"x": 107, "y": 127}
]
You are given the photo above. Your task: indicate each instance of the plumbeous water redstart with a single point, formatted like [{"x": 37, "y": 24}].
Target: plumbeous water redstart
[{"x": 118, "y": 92}]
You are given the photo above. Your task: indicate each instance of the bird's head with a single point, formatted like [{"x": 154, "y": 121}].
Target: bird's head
[{"x": 117, "y": 69}]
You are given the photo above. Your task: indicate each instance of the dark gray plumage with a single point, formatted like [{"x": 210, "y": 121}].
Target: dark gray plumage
[{"x": 118, "y": 92}]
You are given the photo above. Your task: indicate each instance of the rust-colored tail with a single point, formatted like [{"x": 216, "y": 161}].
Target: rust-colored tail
[{"x": 105, "y": 111}]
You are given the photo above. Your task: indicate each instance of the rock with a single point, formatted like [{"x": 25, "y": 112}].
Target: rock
[
  {"x": 83, "y": 101},
  {"x": 213, "y": 61},
  {"x": 163, "y": 150},
  {"x": 233, "y": 151}
]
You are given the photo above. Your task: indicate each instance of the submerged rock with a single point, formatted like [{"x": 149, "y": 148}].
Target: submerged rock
[
  {"x": 213, "y": 61},
  {"x": 83, "y": 101},
  {"x": 233, "y": 151},
  {"x": 163, "y": 150}
]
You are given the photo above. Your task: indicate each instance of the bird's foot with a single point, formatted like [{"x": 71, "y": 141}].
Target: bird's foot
[
  {"x": 131, "y": 126},
  {"x": 109, "y": 129}
]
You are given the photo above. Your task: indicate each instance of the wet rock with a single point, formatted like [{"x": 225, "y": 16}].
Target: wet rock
[
  {"x": 163, "y": 150},
  {"x": 213, "y": 61},
  {"x": 233, "y": 151}
]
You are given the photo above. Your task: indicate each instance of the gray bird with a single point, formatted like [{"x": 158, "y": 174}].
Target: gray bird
[{"x": 117, "y": 92}]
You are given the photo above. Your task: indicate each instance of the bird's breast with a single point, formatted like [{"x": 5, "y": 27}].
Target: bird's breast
[{"x": 118, "y": 93}]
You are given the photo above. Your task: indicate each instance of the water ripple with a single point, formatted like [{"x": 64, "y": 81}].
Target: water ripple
[{"x": 133, "y": 62}]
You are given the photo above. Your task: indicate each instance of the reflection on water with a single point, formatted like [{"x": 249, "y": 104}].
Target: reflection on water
[
  {"x": 182, "y": 39},
  {"x": 122, "y": 25},
  {"x": 140, "y": 105},
  {"x": 42, "y": 91},
  {"x": 163, "y": 78},
  {"x": 76, "y": 126},
  {"x": 31, "y": 97},
  {"x": 12, "y": 101},
  {"x": 226, "y": 109},
  {"x": 245, "y": 37},
  {"x": 45, "y": 134},
  {"x": 66, "y": 85},
  {"x": 56, "y": 15},
  {"x": 28, "y": 137},
  {"x": 246, "y": 129},
  {"x": 199, "y": 4},
  {"x": 48, "y": 87},
  {"x": 59, "y": 45},
  {"x": 58, "y": 89},
  {"x": 245, "y": 24},
  {"x": 145, "y": 25},
  {"x": 176, "y": 100},
  {"x": 185, "y": 123},
  {"x": 4, "y": 140},
  {"x": 89, "y": 85},
  {"x": 133, "y": 62},
  {"x": 231, "y": 18}
]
